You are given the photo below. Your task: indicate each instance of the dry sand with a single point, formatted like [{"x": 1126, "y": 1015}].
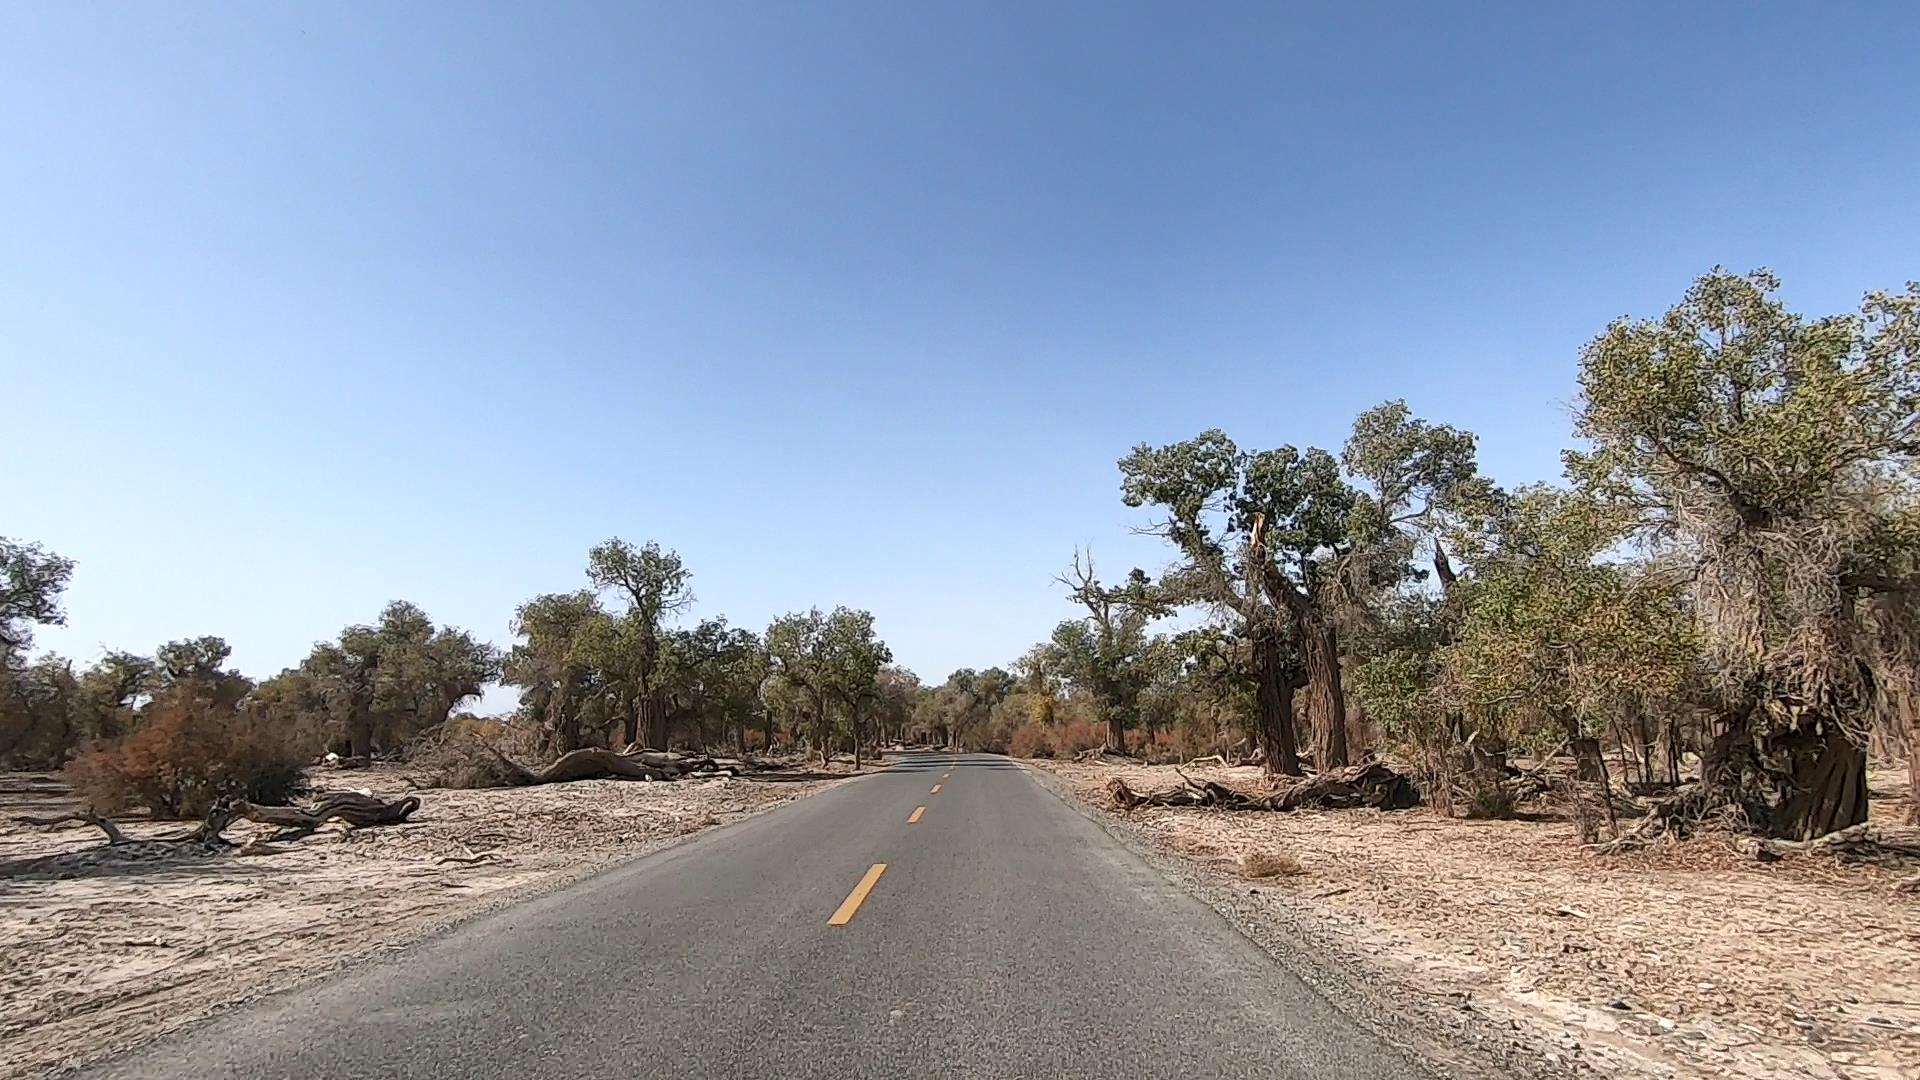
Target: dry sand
[
  {"x": 102, "y": 947},
  {"x": 1691, "y": 960}
]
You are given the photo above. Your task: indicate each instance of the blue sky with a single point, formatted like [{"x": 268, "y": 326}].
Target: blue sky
[{"x": 303, "y": 309}]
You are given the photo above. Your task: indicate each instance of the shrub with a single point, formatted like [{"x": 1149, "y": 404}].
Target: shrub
[
  {"x": 188, "y": 752},
  {"x": 1487, "y": 798},
  {"x": 1076, "y": 733},
  {"x": 1263, "y": 863},
  {"x": 1030, "y": 740}
]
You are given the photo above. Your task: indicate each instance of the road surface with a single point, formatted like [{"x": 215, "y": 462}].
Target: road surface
[{"x": 1006, "y": 936}]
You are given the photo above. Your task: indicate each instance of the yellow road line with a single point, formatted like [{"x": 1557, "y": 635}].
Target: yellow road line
[
  {"x": 844, "y": 913},
  {"x": 935, "y": 791},
  {"x": 914, "y": 818}
]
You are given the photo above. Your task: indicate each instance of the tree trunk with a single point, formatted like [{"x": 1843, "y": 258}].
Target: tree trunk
[
  {"x": 653, "y": 717},
  {"x": 1273, "y": 707},
  {"x": 1326, "y": 702},
  {"x": 360, "y": 733},
  {"x": 1116, "y": 735},
  {"x": 1590, "y": 768},
  {"x": 1829, "y": 786},
  {"x": 1909, "y": 711}
]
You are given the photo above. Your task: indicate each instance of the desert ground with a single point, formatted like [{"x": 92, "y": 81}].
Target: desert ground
[
  {"x": 1689, "y": 960},
  {"x": 102, "y": 947}
]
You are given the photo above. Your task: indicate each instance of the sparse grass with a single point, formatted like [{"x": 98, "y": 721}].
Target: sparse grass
[{"x": 1259, "y": 864}]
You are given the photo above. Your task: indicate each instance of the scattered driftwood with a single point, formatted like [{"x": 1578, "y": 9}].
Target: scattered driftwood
[
  {"x": 1862, "y": 843},
  {"x": 595, "y": 763},
  {"x": 357, "y": 810},
  {"x": 84, "y": 817},
  {"x": 1372, "y": 784}
]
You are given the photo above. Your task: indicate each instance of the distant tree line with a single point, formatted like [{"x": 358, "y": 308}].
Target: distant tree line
[
  {"x": 1728, "y": 576},
  {"x": 602, "y": 665}
]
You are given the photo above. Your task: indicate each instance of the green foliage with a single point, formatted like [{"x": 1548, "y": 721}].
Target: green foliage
[
  {"x": 378, "y": 686},
  {"x": 1774, "y": 456},
  {"x": 32, "y": 580},
  {"x": 828, "y": 668}
]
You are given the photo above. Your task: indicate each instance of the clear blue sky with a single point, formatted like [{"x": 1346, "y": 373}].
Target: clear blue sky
[{"x": 304, "y": 309}]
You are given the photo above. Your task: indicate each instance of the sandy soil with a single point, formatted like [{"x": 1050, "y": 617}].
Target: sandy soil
[
  {"x": 1692, "y": 960},
  {"x": 104, "y": 947}
]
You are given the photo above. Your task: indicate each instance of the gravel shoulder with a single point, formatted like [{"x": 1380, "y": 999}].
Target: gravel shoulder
[
  {"x": 1503, "y": 948},
  {"x": 104, "y": 948}
]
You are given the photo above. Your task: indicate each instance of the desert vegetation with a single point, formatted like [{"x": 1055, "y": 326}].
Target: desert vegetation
[
  {"x": 1699, "y": 644},
  {"x": 1713, "y": 613}
]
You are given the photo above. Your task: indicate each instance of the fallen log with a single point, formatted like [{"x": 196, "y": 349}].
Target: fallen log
[
  {"x": 1372, "y": 784},
  {"x": 84, "y": 817},
  {"x": 357, "y": 810},
  {"x": 1862, "y": 843}
]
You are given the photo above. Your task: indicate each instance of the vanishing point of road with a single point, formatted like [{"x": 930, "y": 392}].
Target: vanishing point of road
[{"x": 878, "y": 929}]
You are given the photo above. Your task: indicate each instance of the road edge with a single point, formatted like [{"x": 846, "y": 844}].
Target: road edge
[
  {"x": 1455, "y": 1040},
  {"x": 413, "y": 935}
]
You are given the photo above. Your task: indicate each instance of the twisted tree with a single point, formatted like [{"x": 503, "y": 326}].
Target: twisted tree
[{"x": 1777, "y": 456}]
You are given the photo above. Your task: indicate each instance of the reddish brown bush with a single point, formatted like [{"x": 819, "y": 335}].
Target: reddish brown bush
[
  {"x": 1077, "y": 733},
  {"x": 187, "y": 752},
  {"x": 1030, "y": 740}
]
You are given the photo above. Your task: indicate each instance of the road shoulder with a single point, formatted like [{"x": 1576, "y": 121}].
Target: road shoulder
[{"x": 1457, "y": 1041}]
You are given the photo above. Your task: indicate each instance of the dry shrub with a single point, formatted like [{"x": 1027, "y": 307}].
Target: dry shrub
[
  {"x": 187, "y": 753},
  {"x": 1488, "y": 799},
  {"x": 1031, "y": 740},
  {"x": 1187, "y": 843},
  {"x": 1261, "y": 863},
  {"x": 1076, "y": 733},
  {"x": 470, "y": 759}
]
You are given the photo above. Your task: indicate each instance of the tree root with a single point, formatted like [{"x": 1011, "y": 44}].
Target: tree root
[
  {"x": 1372, "y": 784},
  {"x": 1857, "y": 844}
]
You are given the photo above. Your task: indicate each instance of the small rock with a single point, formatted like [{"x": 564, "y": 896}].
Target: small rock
[{"x": 1621, "y": 1004}]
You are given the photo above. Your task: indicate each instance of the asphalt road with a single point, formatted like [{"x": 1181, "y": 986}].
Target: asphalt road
[{"x": 1008, "y": 936}]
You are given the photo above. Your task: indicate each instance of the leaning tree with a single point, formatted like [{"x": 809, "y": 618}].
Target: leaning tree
[
  {"x": 1778, "y": 455},
  {"x": 1266, "y": 536}
]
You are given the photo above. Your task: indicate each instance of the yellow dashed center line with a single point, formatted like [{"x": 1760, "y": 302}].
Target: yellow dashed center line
[
  {"x": 914, "y": 818},
  {"x": 844, "y": 913},
  {"x": 935, "y": 791}
]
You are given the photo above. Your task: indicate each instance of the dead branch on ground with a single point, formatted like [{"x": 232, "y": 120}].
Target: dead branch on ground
[
  {"x": 84, "y": 817},
  {"x": 596, "y": 763},
  {"x": 1371, "y": 784}
]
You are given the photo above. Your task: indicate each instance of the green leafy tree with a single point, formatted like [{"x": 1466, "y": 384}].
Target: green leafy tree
[
  {"x": 1263, "y": 535},
  {"x": 854, "y": 658},
  {"x": 556, "y": 665},
  {"x": 32, "y": 580},
  {"x": 1108, "y": 652},
  {"x": 655, "y": 585},
  {"x": 712, "y": 673},
  {"x": 1552, "y": 630},
  {"x": 1776, "y": 456},
  {"x": 798, "y": 664}
]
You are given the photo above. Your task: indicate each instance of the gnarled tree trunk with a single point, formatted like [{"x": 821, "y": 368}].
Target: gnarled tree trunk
[
  {"x": 1273, "y": 707},
  {"x": 1326, "y": 701}
]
